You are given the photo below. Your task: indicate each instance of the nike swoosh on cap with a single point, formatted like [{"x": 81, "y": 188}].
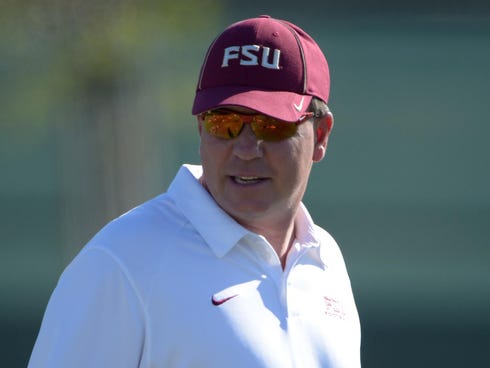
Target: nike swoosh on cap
[{"x": 300, "y": 106}]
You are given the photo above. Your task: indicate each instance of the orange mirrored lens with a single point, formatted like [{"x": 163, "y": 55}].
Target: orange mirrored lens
[
  {"x": 270, "y": 129},
  {"x": 229, "y": 126},
  {"x": 223, "y": 126}
]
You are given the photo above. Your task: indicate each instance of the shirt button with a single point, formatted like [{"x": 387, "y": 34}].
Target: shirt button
[{"x": 294, "y": 314}]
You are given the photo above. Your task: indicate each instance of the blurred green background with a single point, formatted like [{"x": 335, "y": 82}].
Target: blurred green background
[{"x": 95, "y": 102}]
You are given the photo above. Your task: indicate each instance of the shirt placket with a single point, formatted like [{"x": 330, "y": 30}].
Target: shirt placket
[
  {"x": 287, "y": 291},
  {"x": 301, "y": 352}
]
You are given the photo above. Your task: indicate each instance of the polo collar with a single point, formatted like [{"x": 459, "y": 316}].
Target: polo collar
[
  {"x": 218, "y": 229},
  {"x": 307, "y": 236},
  {"x": 305, "y": 228}
]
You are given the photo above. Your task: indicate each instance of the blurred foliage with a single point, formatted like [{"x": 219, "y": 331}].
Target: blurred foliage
[
  {"x": 93, "y": 90},
  {"x": 55, "y": 51}
]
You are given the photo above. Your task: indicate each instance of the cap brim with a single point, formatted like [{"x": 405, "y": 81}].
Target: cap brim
[{"x": 283, "y": 105}]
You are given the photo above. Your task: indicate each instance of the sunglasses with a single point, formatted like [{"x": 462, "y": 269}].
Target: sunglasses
[{"x": 228, "y": 125}]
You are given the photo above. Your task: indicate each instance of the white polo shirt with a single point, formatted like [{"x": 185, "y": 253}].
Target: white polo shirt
[{"x": 177, "y": 283}]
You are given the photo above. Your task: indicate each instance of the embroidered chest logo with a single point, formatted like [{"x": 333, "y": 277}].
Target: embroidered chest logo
[
  {"x": 334, "y": 308},
  {"x": 252, "y": 55}
]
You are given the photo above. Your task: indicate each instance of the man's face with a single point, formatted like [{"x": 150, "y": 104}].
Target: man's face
[{"x": 257, "y": 181}]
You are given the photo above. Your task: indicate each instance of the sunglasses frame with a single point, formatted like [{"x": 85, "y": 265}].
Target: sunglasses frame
[{"x": 258, "y": 122}]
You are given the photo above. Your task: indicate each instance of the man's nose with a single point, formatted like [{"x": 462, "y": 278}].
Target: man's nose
[{"x": 247, "y": 146}]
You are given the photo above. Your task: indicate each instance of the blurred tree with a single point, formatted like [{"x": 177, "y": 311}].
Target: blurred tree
[{"x": 111, "y": 78}]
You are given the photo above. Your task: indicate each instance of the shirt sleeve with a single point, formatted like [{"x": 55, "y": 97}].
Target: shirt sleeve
[{"x": 94, "y": 317}]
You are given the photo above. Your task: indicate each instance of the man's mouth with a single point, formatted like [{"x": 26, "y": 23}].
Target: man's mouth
[{"x": 246, "y": 179}]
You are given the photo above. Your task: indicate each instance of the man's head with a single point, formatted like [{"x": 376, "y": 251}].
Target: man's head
[{"x": 263, "y": 119}]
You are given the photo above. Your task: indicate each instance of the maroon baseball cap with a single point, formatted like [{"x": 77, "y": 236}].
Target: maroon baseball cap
[{"x": 264, "y": 64}]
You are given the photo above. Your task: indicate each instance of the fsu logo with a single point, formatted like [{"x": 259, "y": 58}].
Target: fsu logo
[{"x": 252, "y": 55}]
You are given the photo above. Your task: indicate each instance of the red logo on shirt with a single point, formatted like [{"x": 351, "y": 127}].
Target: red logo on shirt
[
  {"x": 334, "y": 308},
  {"x": 216, "y": 301}
]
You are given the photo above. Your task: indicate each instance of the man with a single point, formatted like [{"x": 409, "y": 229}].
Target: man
[{"x": 227, "y": 268}]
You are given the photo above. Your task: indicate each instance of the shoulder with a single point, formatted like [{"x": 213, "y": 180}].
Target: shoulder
[
  {"x": 330, "y": 251},
  {"x": 135, "y": 246},
  {"x": 142, "y": 227},
  {"x": 325, "y": 239}
]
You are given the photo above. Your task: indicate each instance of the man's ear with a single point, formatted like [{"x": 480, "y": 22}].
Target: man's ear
[
  {"x": 323, "y": 127},
  {"x": 199, "y": 123}
]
